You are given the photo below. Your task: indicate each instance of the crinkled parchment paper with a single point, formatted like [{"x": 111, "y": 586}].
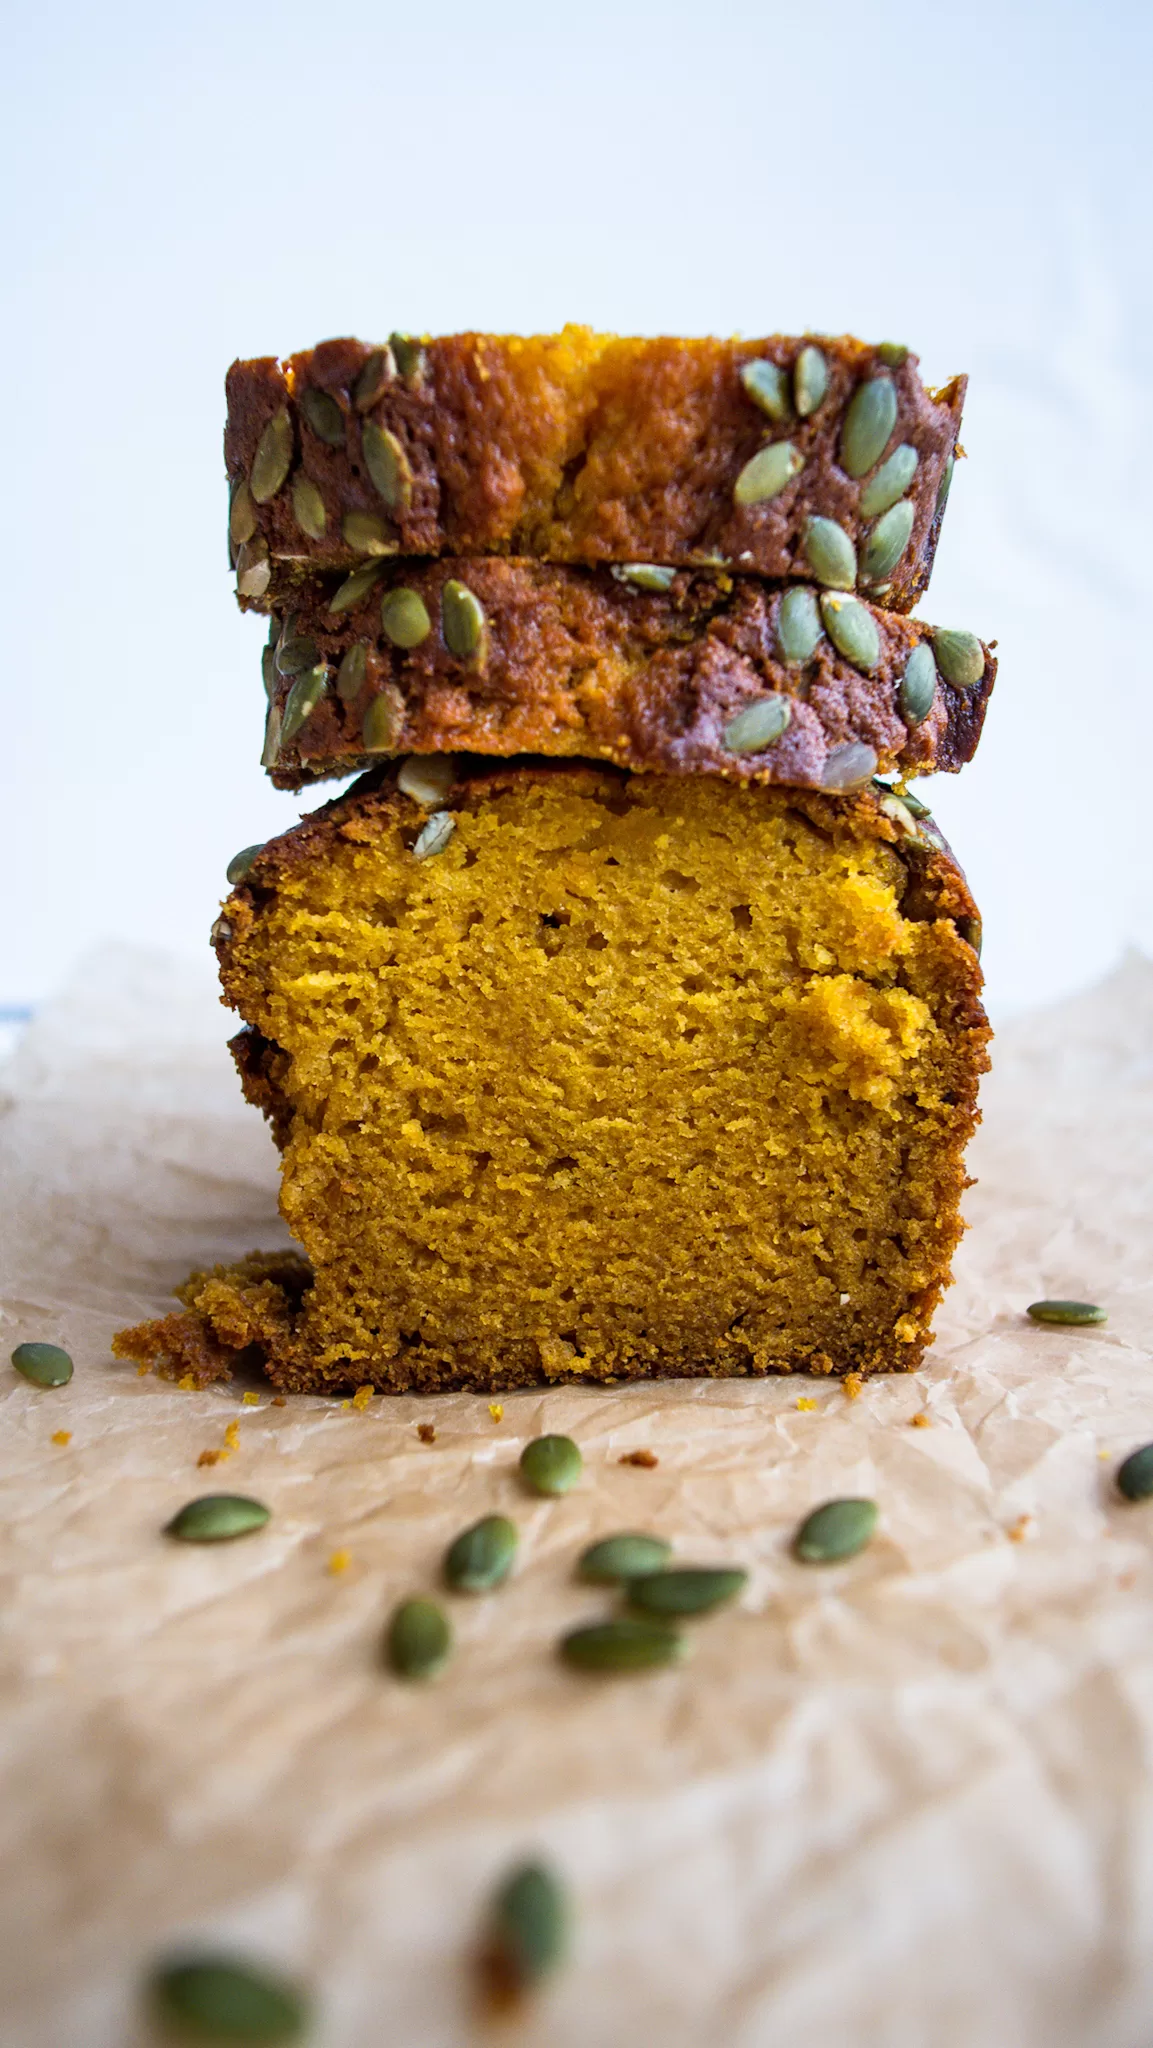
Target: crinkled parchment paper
[{"x": 907, "y": 1801}]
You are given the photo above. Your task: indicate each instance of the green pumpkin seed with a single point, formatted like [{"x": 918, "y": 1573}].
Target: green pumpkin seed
[
  {"x": 253, "y": 568},
  {"x": 528, "y": 1928},
  {"x": 271, "y": 749},
  {"x": 798, "y": 625},
  {"x": 404, "y": 616},
  {"x": 960, "y": 656},
  {"x": 352, "y": 673},
  {"x": 972, "y": 931},
  {"x": 268, "y": 669},
  {"x": 427, "y": 778},
  {"x": 240, "y": 863},
  {"x": 869, "y": 421},
  {"x": 887, "y": 542},
  {"x": 852, "y": 629},
  {"x": 272, "y": 460},
  {"x": 218, "y": 1998},
  {"x": 356, "y": 587},
  {"x": 367, "y": 534},
  {"x": 918, "y": 685},
  {"x": 217, "y": 1518},
  {"x": 1074, "y": 1312},
  {"x": 409, "y": 356},
  {"x": 302, "y": 700},
  {"x": 481, "y": 1557},
  {"x": 434, "y": 836},
  {"x": 890, "y": 483},
  {"x": 849, "y": 766},
  {"x": 308, "y": 508},
  {"x": 945, "y": 486},
  {"x": 324, "y": 416},
  {"x": 686, "y": 1589},
  {"x": 769, "y": 470},
  {"x": 419, "y": 1639},
  {"x": 46, "y": 1365},
  {"x": 840, "y": 1529},
  {"x": 830, "y": 553},
  {"x": 810, "y": 380},
  {"x": 383, "y": 723},
  {"x": 619, "y": 1646},
  {"x": 894, "y": 353},
  {"x": 242, "y": 521},
  {"x": 462, "y": 619},
  {"x": 551, "y": 1464},
  {"x": 376, "y": 375},
  {"x": 768, "y": 387},
  {"x": 295, "y": 655},
  {"x": 387, "y": 465},
  {"x": 1135, "y": 1475},
  {"x": 757, "y": 726},
  {"x": 627, "y": 1556},
  {"x": 645, "y": 575}
]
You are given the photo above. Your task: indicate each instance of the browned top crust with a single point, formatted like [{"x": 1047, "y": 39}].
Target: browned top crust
[
  {"x": 584, "y": 662},
  {"x": 579, "y": 447}
]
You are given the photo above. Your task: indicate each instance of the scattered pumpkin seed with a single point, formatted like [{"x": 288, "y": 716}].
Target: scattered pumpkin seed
[
  {"x": 528, "y": 1931},
  {"x": 46, "y": 1365},
  {"x": 253, "y": 568},
  {"x": 404, "y": 616},
  {"x": 356, "y": 586},
  {"x": 240, "y": 863},
  {"x": 830, "y": 553},
  {"x": 383, "y": 723},
  {"x": 377, "y": 373},
  {"x": 409, "y": 355},
  {"x": 308, "y": 508},
  {"x": 324, "y": 416},
  {"x": 273, "y": 457},
  {"x": 852, "y": 629},
  {"x": 217, "y": 1518},
  {"x": 434, "y": 836},
  {"x": 242, "y": 520},
  {"x": 686, "y": 1589},
  {"x": 627, "y": 1556},
  {"x": 918, "y": 685},
  {"x": 551, "y": 1464},
  {"x": 1075, "y": 1312},
  {"x": 798, "y": 625},
  {"x": 302, "y": 700},
  {"x": 645, "y": 575},
  {"x": 768, "y": 387},
  {"x": 893, "y": 353},
  {"x": 839, "y": 1529},
  {"x": 367, "y": 534},
  {"x": 219, "y": 1998},
  {"x": 352, "y": 673},
  {"x": 810, "y": 380},
  {"x": 295, "y": 655},
  {"x": 767, "y": 473},
  {"x": 960, "y": 656},
  {"x": 427, "y": 778},
  {"x": 890, "y": 483},
  {"x": 849, "y": 766},
  {"x": 481, "y": 1557},
  {"x": 758, "y": 725},
  {"x": 945, "y": 486},
  {"x": 630, "y": 1644},
  {"x": 869, "y": 421},
  {"x": 387, "y": 465},
  {"x": 462, "y": 619},
  {"x": 419, "y": 1639},
  {"x": 887, "y": 542},
  {"x": 271, "y": 749},
  {"x": 268, "y": 668},
  {"x": 1135, "y": 1474}
]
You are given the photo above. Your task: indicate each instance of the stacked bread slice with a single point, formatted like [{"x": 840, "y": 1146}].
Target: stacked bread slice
[{"x": 622, "y": 1019}]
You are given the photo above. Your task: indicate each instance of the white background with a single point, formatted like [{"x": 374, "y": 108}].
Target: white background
[{"x": 185, "y": 185}]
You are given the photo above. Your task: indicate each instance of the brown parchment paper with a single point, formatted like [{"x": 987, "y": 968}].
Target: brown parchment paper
[{"x": 907, "y": 1801}]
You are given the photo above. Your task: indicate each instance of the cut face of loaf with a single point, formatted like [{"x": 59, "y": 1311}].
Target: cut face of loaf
[
  {"x": 821, "y": 458},
  {"x": 678, "y": 671},
  {"x": 590, "y": 1076}
]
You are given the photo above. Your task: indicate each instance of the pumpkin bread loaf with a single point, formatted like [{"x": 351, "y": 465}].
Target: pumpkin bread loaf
[{"x": 579, "y": 1075}]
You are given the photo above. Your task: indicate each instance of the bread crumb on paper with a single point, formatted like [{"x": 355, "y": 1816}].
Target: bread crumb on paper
[
  {"x": 852, "y": 1385},
  {"x": 426, "y": 1431},
  {"x": 920, "y": 1420},
  {"x": 496, "y": 1410},
  {"x": 646, "y": 1459},
  {"x": 62, "y": 1436},
  {"x": 361, "y": 1398},
  {"x": 339, "y": 1562},
  {"x": 806, "y": 1403},
  {"x": 251, "y": 1400}
]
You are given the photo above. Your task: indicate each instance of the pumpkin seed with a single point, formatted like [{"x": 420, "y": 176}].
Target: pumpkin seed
[
  {"x": 757, "y": 726},
  {"x": 839, "y": 1529},
  {"x": 890, "y": 483},
  {"x": 810, "y": 380},
  {"x": 356, "y": 586},
  {"x": 972, "y": 931},
  {"x": 271, "y": 749},
  {"x": 268, "y": 669},
  {"x": 295, "y": 655},
  {"x": 409, "y": 355},
  {"x": 253, "y": 568},
  {"x": 645, "y": 575},
  {"x": 686, "y": 1589},
  {"x": 387, "y": 465},
  {"x": 848, "y": 766},
  {"x": 887, "y": 542},
  {"x": 367, "y": 534},
  {"x": 1135, "y": 1475},
  {"x": 352, "y": 673},
  {"x": 528, "y": 1929},
  {"x": 768, "y": 387},
  {"x": 427, "y": 778},
  {"x": 893, "y": 353},
  {"x": 918, "y": 685},
  {"x": 551, "y": 1464},
  {"x": 945, "y": 486},
  {"x": 308, "y": 508},
  {"x": 324, "y": 416},
  {"x": 767, "y": 473},
  {"x": 960, "y": 656},
  {"x": 1075, "y": 1312},
  {"x": 217, "y": 1518},
  {"x": 798, "y": 625},
  {"x": 869, "y": 421},
  {"x": 242, "y": 521},
  {"x": 376, "y": 375},
  {"x": 830, "y": 553},
  {"x": 462, "y": 619},
  {"x": 271, "y": 462},
  {"x": 404, "y": 616},
  {"x": 302, "y": 700},
  {"x": 627, "y": 1556},
  {"x": 419, "y": 1639},
  {"x": 481, "y": 1557},
  {"x": 218, "y": 1998},
  {"x": 46, "y": 1365},
  {"x": 630, "y": 1644},
  {"x": 852, "y": 629},
  {"x": 434, "y": 836},
  {"x": 383, "y": 723},
  {"x": 240, "y": 863}
]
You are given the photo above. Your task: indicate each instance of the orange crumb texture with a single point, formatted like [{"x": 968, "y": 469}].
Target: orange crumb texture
[
  {"x": 339, "y": 1562},
  {"x": 805, "y": 1403},
  {"x": 62, "y": 1436},
  {"x": 496, "y": 1410},
  {"x": 646, "y": 1459}
]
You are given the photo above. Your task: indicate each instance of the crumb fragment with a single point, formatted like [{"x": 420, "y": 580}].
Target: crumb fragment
[
  {"x": 251, "y": 1400},
  {"x": 805, "y": 1402},
  {"x": 278, "y": 1401},
  {"x": 921, "y": 1420},
  {"x": 141, "y": 1370},
  {"x": 187, "y": 1385},
  {"x": 646, "y": 1459},
  {"x": 211, "y": 1457},
  {"x": 496, "y": 1410},
  {"x": 232, "y": 1436},
  {"x": 62, "y": 1436},
  {"x": 426, "y": 1431},
  {"x": 339, "y": 1562},
  {"x": 362, "y": 1397},
  {"x": 1018, "y": 1530},
  {"x": 852, "y": 1385}
]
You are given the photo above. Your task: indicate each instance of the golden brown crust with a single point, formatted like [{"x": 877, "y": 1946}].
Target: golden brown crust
[{"x": 577, "y": 448}]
